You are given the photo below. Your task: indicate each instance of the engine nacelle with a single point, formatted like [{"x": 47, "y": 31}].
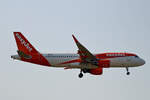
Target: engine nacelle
[
  {"x": 97, "y": 71},
  {"x": 104, "y": 63}
]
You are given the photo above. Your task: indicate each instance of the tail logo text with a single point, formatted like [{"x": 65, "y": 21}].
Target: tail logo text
[{"x": 23, "y": 42}]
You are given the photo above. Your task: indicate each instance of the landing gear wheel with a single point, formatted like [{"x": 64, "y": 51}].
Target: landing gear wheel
[
  {"x": 80, "y": 75},
  {"x": 128, "y": 73}
]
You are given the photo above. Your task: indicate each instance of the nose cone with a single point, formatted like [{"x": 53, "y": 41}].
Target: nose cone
[{"x": 141, "y": 62}]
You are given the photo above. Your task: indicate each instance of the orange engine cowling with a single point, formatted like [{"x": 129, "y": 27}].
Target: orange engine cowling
[
  {"x": 97, "y": 71},
  {"x": 104, "y": 63}
]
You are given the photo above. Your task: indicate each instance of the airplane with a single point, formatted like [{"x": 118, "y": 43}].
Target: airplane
[{"x": 83, "y": 59}]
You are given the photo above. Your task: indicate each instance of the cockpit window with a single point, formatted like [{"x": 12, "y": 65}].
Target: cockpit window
[{"x": 137, "y": 56}]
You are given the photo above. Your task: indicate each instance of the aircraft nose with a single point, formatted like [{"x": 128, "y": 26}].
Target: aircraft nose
[{"x": 142, "y": 62}]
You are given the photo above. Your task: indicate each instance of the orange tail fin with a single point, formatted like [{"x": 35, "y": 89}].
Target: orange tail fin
[
  {"x": 23, "y": 44},
  {"x": 27, "y": 52}
]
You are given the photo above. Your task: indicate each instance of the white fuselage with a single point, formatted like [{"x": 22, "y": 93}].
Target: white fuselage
[
  {"x": 73, "y": 61},
  {"x": 56, "y": 60}
]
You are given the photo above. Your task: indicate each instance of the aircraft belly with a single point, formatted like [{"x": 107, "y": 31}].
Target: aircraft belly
[
  {"x": 59, "y": 63},
  {"x": 72, "y": 65},
  {"x": 122, "y": 62},
  {"x": 117, "y": 62}
]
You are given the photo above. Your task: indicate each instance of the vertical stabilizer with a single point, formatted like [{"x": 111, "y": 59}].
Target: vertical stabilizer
[
  {"x": 27, "y": 52},
  {"x": 23, "y": 44}
]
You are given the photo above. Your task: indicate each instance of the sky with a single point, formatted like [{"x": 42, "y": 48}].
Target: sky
[{"x": 100, "y": 25}]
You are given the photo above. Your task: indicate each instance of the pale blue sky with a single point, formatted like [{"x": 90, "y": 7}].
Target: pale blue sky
[{"x": 101, "y": 25}]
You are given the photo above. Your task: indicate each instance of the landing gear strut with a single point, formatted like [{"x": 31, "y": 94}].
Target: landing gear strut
[
  {"x": 128, "y": 73},
  {"x": 81, "y": 74}
]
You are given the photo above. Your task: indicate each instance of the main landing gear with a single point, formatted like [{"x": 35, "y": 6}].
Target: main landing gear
[
  {"x": 83, "y": 71},
  {"x": 128, "y": 73},
  {"x": 80, "y": 74}
]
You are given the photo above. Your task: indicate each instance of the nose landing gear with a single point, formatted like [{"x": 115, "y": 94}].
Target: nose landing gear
[{"x": 128, "y": 73}]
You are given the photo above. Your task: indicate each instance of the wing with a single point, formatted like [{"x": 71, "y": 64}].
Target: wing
[{"x": 85, "y": 55}]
